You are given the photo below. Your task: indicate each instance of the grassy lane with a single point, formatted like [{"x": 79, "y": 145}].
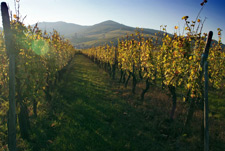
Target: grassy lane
[{"x": 91, "y": 116}]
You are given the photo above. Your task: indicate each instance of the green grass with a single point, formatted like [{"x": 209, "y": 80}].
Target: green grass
[
  {"x": 92, "y": 113},
  {"x": 91, "y": 116}
]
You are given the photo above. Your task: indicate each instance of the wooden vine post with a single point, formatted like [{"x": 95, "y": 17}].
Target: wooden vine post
[
  {"x": 11, "y": 54},
  {"x": 204, "y": 65}
]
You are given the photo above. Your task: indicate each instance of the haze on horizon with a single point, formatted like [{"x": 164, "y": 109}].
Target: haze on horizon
[{"x": 136, "y": 13}]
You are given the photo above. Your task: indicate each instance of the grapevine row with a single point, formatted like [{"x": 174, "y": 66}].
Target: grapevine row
[
  {"x": 172, "y": 60},
  {"x": 40, "y": 62}
]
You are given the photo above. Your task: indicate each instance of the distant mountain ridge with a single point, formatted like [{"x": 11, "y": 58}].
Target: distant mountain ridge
[
  {"x": 98, "y": 34},
  {"x": 88, "y": 36},
  {"x": 63, "y": 28},
  {"x": 103, "y": 27}
]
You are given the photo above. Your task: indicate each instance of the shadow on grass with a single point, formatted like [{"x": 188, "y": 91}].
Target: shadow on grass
[{"x": 88, "y": 115}]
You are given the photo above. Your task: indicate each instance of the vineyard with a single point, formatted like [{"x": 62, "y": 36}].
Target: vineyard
[
  {"x": 40, "y": 62},
  {"x": 173, "y": 63},
  {"x": 142, "y": 93}
]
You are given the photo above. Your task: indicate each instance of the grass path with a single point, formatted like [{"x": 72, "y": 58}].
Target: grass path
[
  {"x": 91, "y": 116},
  {"x": 90, "y": 112}
]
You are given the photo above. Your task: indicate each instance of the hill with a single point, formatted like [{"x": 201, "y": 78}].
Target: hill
[
  {"x": 66, "y": 29},
  {"x": 104, "y": 33},
  {"x": 88, "y": 36},
  {"x": 98, "y": 34}
]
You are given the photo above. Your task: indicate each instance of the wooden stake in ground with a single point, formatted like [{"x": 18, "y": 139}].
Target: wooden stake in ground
[
  {"x": 11, "y": 54},
  {"x": 204, "y": 64}
]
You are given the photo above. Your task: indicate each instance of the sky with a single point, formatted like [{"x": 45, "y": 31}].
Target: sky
[{"x": 135, "y": 13}]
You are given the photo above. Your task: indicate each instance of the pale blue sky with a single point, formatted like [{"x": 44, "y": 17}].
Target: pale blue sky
[{"x": 135, "y": 13}]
